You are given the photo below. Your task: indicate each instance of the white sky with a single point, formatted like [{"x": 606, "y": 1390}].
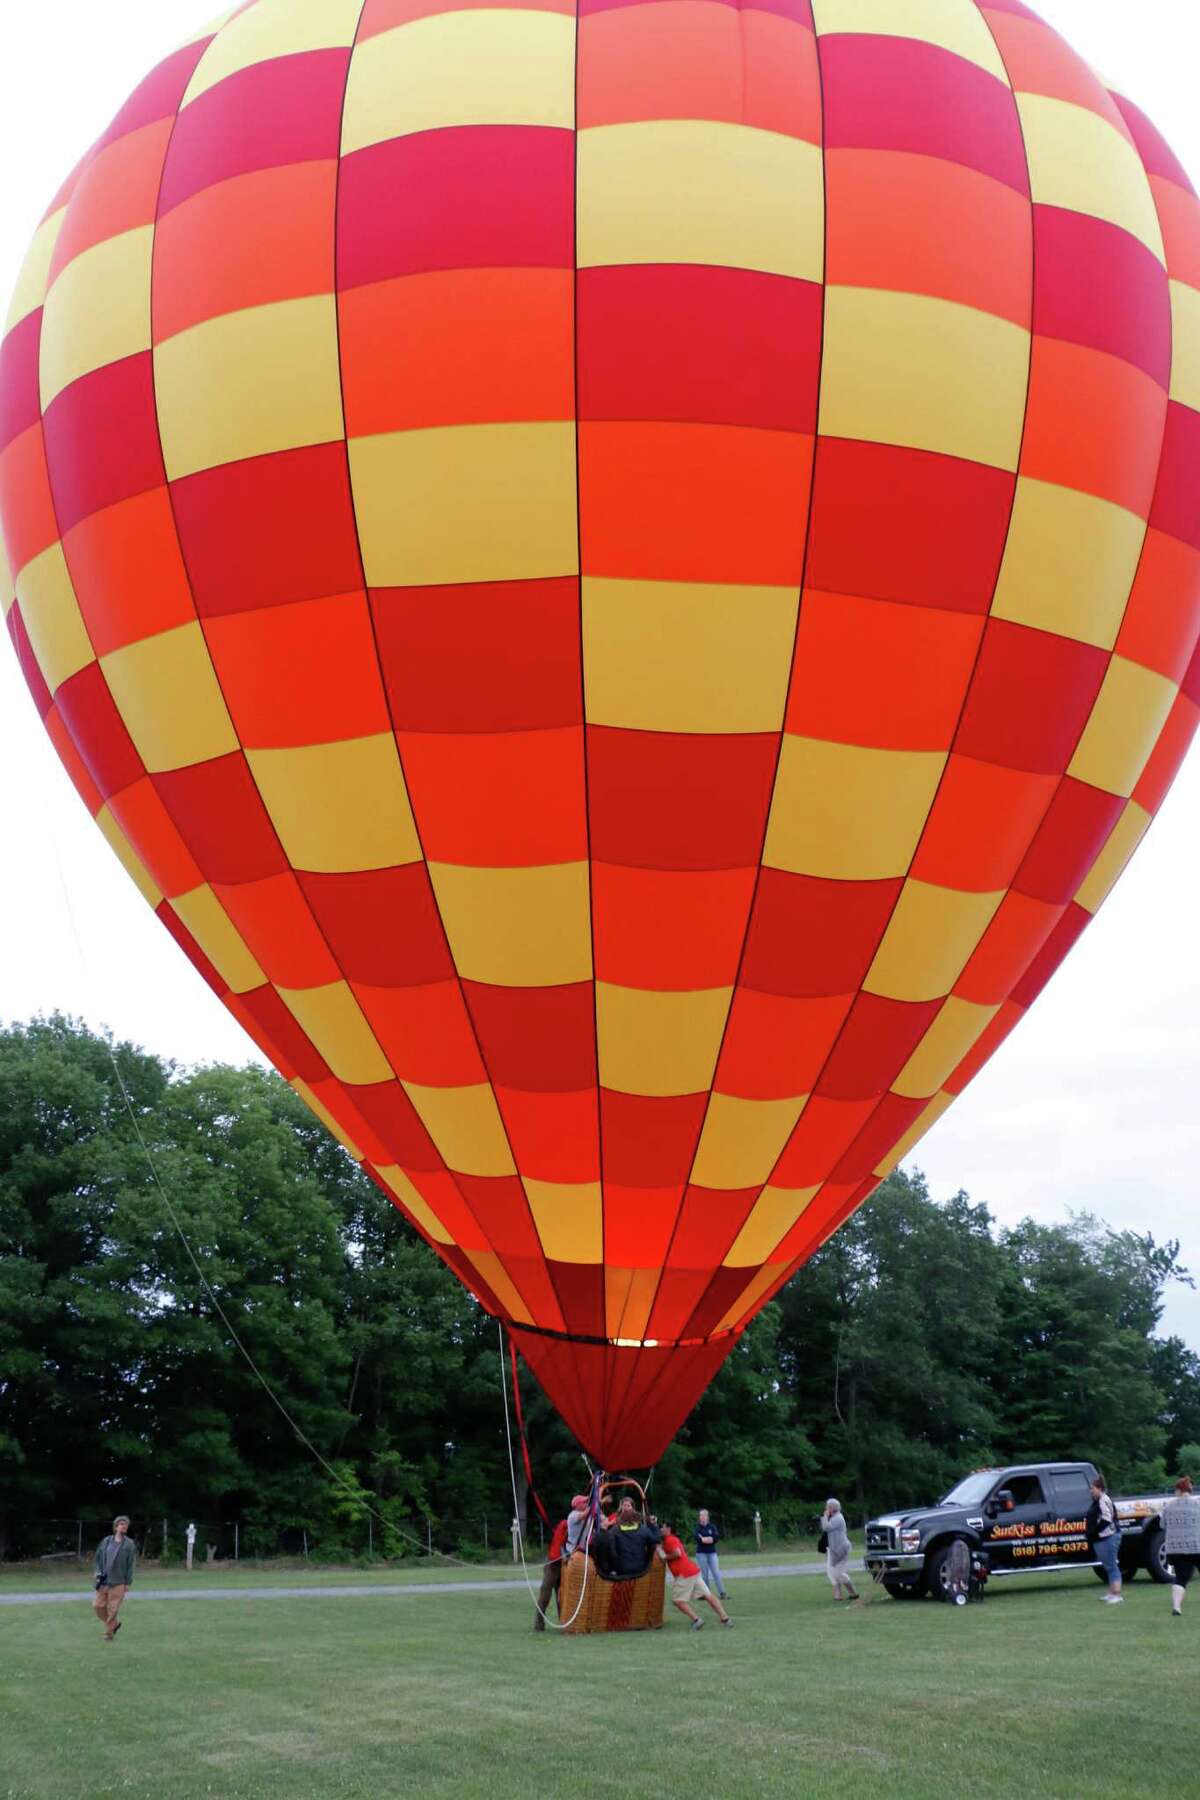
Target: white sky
[{"x": 1092, "y": 1105}]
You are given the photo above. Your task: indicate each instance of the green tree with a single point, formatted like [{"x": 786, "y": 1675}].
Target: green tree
[
  {"x": 915, "y": 1344},
  {"x": 891, "y": 1337},
  {"x": 743, "y": 1447},
  {"x": 1077, "y": 1374},
  {"x": 121, "y": 1385},
  {"x": 71, "y": 1337},
  {"x": 1176, "y": 1372}
]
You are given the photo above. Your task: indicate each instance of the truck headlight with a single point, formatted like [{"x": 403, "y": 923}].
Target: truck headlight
[{"x": 910, "y": 1539}]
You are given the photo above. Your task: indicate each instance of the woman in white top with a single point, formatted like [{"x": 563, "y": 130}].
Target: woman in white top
[{"x": 837, "y": 1551}]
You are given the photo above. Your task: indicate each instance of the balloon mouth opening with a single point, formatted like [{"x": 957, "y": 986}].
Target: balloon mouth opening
[
  {"x": 519, "y": 1329},
  {"x": 623, "y": 1398}
]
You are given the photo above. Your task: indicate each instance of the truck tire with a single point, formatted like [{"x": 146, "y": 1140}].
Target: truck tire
[
  {"x": 1156, "y": 1559},
  {"x": 906, "y": 1590},
  {"x": 936, "y": 1574}
]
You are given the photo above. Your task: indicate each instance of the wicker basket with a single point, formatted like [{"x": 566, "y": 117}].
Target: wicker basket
[{"x": 612, "y": 1605}]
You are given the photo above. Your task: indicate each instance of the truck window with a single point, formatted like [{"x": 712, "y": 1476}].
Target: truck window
[
  {"x": 972, "y": 1490},
  {"x": 1072, "y": 1494},
  {"x": 1026, "y": 1490}
]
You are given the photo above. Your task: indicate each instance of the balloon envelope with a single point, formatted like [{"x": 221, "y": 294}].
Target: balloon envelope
[{"x": 624, "y": 580}]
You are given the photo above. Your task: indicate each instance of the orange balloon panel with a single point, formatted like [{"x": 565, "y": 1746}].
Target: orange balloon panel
[{"x": 625, "y": 578}]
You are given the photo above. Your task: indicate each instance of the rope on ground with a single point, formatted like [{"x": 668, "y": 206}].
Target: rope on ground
[{"x": 554, "y": 1624}]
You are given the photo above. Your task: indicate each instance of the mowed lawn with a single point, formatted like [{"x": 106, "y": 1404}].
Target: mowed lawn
[{"x": 1042, "y": 1690}]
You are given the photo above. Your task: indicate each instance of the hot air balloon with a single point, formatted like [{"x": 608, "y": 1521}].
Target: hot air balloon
[{"x": 625, "y": 579}]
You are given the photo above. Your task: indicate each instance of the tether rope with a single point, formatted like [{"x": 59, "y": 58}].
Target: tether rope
[
  {"x": 355, "y": 1494},
  {"x": 553, "y": 1624}
]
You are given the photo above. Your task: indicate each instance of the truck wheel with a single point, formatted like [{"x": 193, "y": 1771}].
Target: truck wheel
[
  {"x": 937, "y": 1573},
  {"x": 906, "y": 1590},
  {"x": 1157, "y": 1561}
]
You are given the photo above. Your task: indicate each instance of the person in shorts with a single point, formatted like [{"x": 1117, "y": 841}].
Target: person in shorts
[
  {"x": 113, "y": 1576},
  {"x": 687, "y": 1582},
  {"x": 1181, "y": 1523}
]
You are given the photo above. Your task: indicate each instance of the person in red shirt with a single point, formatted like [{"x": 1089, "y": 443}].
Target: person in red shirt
[
  {"x": 687, "y": 1582},
  {"x": 551, "y": 1574}
]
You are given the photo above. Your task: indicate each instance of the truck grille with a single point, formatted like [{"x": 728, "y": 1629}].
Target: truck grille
[{"x": 879, "y": 1537}]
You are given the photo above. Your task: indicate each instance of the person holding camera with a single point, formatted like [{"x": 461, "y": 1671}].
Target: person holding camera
[
  {"x": 836, "y": 1545},
  {"x": 113, "y": 1571}
]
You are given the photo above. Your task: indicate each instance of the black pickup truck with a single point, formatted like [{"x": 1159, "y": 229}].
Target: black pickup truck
[{"x": 1028, "y": 1517}]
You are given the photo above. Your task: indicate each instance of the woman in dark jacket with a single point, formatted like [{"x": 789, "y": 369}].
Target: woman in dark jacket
[
  {"x": 707, "y": 1538},
  {"x": 1104, "y": 1535}
]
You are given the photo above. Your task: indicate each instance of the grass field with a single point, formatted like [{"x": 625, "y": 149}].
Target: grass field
[{"x": 1041, "y": 1691}]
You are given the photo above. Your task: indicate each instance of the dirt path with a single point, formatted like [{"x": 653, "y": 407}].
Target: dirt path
[{"x": 365, "y": 1592}]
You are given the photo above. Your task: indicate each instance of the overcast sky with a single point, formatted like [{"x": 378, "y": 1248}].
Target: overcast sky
[{"x": 1093, "y": 1105}]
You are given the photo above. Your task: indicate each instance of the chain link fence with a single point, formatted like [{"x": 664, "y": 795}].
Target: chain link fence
[{"x": 487, "y": 1537}]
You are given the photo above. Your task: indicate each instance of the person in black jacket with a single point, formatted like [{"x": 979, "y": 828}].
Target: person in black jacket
[
  {"x": 707, "y": 1538},
  {"x": 625, "y": 1547}
]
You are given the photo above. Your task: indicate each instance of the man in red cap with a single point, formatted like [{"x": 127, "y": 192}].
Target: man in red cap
[
  {"x": 568, "y": 1536},
  {"x": 577, "y": 1519}
]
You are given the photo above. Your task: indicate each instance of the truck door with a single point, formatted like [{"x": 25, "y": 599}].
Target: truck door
[
  {"x": 1016, "y": 1533},
  {"x": 1070, "y": 1498}
]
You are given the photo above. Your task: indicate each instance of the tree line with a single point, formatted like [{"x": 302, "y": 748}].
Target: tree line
[{"x": 920, "y": 1342}]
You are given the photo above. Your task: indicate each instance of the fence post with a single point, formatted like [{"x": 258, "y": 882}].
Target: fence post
[
  {"x": 428, "y": 1535},
  {"x": 304, "y": 1528},
  {"x": 164, "y": 1548},
  {"x": 486, "y": 1545},
  {"x": 758, "y": 1528},
  {"x": 516, "y": 1538},
  {"x": 79, "y": 1552},
  {"x": 370, "y": 1536}
]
